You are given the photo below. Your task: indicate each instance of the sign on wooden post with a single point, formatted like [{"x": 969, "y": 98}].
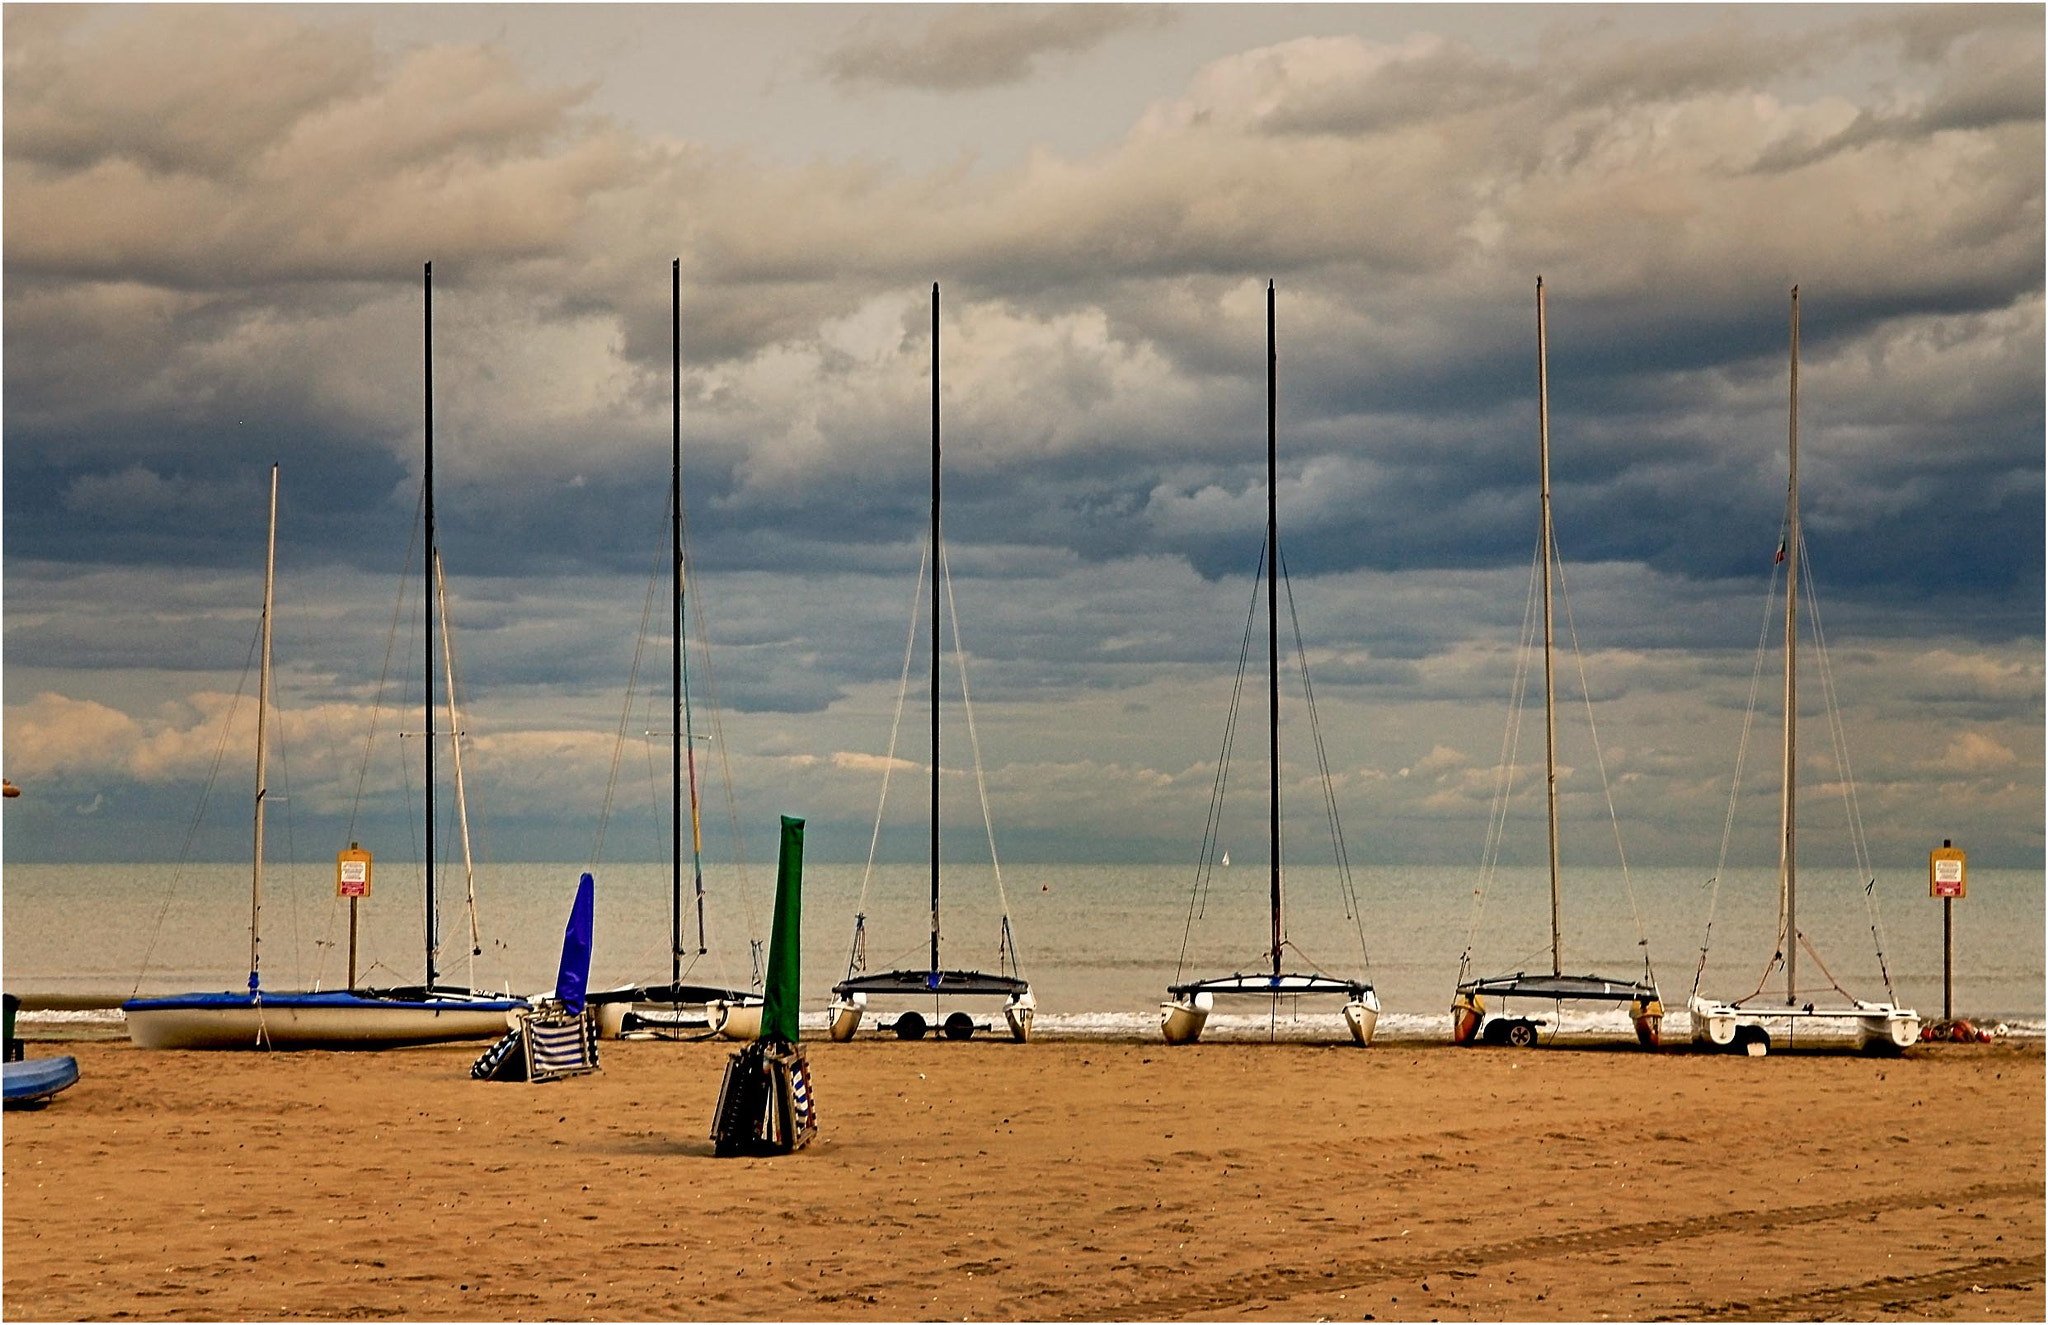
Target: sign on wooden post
[{"x": 1946, "y": 876}]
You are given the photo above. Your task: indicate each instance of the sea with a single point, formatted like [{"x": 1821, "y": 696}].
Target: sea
[{"x": 1099, "y": 943}]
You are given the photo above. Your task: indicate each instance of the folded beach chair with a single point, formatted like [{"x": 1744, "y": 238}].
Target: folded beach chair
[{"x": 550, "y": 1042}]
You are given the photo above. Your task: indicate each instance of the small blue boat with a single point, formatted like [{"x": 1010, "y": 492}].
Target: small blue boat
[{"x": 31, "y": 1084}]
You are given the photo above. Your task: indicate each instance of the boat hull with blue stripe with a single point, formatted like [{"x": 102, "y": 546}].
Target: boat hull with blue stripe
[{"x": 332, "y": 1020}]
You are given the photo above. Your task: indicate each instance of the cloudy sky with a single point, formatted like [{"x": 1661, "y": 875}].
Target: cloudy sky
[{"x": 215, "y": 222}]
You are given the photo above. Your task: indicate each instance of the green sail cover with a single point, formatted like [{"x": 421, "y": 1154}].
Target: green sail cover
[{"x": 785, "y": 977}]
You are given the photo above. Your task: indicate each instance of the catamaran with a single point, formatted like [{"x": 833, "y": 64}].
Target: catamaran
[
  {"x": 680, "y": 1005},
  {"x": 1745, "y": 1024},
  {"x": 1189, "y": 1002},
  {"x": 1553, "y": 988},
  {"x": 934, "y": 982}
]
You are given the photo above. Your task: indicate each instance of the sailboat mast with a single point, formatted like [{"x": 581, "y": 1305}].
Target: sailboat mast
[
  {"x": 936, "y": 565},
  {"x": 427, "y": 603},
  {"x": 1549, "y": 667},
  {"x": 1787, "y": 860},
  {"x": 262, "y": 749},
  {"x": 675, "y": 666},
  {"x": 1273, "y": 622}
]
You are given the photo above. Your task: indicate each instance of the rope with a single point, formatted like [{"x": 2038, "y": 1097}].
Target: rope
[
  {"x": 1504, "y": 770},
  {"x": 1205, "y": 857},
  {"x": 611, "y": 782},
  {"x": 170, "y": 888},
  {"x": 1347, "y": 886},
  {"x": 1600, "y": 761},
  {"x": 895, "y": 728},
  {"x": 1756, "y": 673},
  {"x": 974, "y": 744},
  {"x": 384, "y": 672},
  {"x": 748, "y": 914},
  {"x": 1839, "y": 735}
]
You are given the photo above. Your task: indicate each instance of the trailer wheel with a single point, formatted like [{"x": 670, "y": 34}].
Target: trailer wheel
[
  {"x": 1752, "y": 1040},
  {"x": 910, "y": 1026},
  {"x": 1522, "y": 1034},
  {"x": 959, "y": 1026}
]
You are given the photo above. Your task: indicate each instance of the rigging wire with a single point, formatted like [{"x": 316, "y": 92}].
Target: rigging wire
[
  {"x": 1600, "y": 761},
  {"x": 1756, "y": 673},
  {"x": 1205, "y": 857},
  {"x": 1838, "y": 732},
  {"x": 1347, "y": 885},
  {"x": 220, "y": 749},
  {"x": 611, "y": 783},
  {"x": 1504, "y": 770},
  {"x": 724, "y": 747},
  {"x": 857, "y": 961},
  {"x": 974, "y": 744}
]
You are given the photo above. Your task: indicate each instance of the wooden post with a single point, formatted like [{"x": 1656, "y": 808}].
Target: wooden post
[{"x": 1948, "y": 958}]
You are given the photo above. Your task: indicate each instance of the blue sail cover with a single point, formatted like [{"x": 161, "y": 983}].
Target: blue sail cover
[{"x": 575, "y": 973}]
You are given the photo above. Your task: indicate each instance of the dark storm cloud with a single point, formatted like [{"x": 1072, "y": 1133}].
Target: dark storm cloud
[{"x": 213, "y": 243}]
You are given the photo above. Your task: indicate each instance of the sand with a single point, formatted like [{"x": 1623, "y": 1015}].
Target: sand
[{"x": 1050, "y": 1181}]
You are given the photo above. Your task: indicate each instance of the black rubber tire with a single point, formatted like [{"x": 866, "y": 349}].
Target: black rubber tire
[
  {"x": 1522, "y": 1034},
  {"x": 910, "y": 1026},
  {"x": 1748, "y": 1035},
  {"x": 1495, "y": 1031},
  {"x": 959, "y": 1026}
]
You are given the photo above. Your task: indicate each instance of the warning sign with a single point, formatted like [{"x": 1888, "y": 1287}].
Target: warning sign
[
  {"x": 352, "y": 873},
  {"x": 1945, "y": 873}
]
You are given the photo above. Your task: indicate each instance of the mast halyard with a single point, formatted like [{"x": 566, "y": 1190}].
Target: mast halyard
[
  {"x": 1273, "y": 624},
  {"x": 427, "y": 603},
  {"x": 455, "y": 756},
  {"x": 1549, "y": 666},
  {"x": 262, "y": 721},
  {"x": 936, "y": 564},
  {"x": 1788, "y": 881}
]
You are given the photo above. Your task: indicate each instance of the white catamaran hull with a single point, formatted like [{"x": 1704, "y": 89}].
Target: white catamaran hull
[
  {"x": 844, "y": 1014},
  {"x": 737, "y": 1021},
  {"x": 1181, "y": 1020},
  {"x": 281, "y": 1026},
  {"x": 1363, "y": 1017},
  {"x": 1878, "y": 1027}
]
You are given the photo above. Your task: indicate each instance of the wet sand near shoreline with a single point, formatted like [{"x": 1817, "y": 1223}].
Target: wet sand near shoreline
[{"x": 1060, "y": 1180}]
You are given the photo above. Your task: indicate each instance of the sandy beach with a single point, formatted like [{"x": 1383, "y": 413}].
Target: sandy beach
[{"x": 1062, "y": 1180}]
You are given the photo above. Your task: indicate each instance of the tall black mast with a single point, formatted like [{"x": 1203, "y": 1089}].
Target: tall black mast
[
  {"x": 1273, "y": 619},
  {"x": 675, "y": 669},
  {"x": 935, "y": 628},
  {"x": 427, "y": 598}
]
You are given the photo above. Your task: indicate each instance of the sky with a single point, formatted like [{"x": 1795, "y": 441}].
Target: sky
[{"x": 215, "y": 227}]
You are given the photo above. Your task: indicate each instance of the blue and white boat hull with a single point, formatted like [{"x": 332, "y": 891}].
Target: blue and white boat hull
[{"x": 312, "y": 1021}]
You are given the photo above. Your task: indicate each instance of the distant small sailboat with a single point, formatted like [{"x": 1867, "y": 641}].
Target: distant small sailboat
[
  {"x": 1744, "y": 1024},
  {"x": 1469, "y": 1021},
  {"x": 850, "y": 995},
  {"x": 1188, "y": 1005},
  {"x": 1226, "y": 860}
]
